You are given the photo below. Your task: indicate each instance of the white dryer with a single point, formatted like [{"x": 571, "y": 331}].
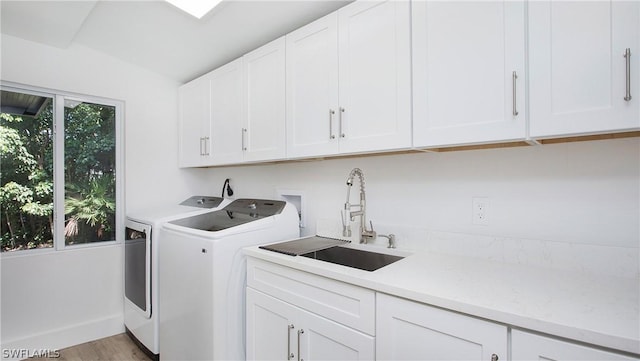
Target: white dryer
[
  {"x": 142, "y": 236},
  {"x": 203, "y": 276}
]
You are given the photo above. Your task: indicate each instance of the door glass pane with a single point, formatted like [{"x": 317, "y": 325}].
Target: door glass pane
[
  {"x": 89, "y": 171},
  {"x": 26, "y": 158},
  {"x": 136, "y": 267}
]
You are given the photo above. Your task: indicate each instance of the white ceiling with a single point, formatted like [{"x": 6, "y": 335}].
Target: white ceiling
[{"x": 156, "y": 35}]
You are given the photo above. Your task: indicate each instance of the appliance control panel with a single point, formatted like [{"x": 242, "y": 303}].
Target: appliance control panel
[{"x": 202, "y": 201}]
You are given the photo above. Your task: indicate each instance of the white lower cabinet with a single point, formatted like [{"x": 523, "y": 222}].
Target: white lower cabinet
[
  {"x": 294, "y": 315},
  {"x": 277, "y": 329},
  {"x": 529, "y": 346},
  {"x": 407, "y": 330}
]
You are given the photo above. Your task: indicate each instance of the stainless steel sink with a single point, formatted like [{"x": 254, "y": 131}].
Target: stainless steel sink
[{"x": 356, "y": 258}]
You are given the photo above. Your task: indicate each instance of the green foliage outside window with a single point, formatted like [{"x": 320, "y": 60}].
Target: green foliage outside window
[{"x": 27, "y": 164}]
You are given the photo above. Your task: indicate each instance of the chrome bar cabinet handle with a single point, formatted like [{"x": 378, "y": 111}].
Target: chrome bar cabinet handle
[
  {"x": 515, "y": 93},
  {"x": 300, "y": 332},
  {"x": 627, "y": 55},
  {"x": 342, "y": 135},
  {"x": 244, "y": 145},
  {"x": 290, "y": 355},
  {"x": 201, "y": 151},
  {"x": 207, "y": 147},
  {"x": 331, "y": 113}
]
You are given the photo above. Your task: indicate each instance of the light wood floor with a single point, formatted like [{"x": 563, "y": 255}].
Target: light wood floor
[{"x": 114, "y": 348}]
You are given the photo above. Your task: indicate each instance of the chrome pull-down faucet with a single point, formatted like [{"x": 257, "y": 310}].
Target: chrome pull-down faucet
[{"x": 348, "y": 216}]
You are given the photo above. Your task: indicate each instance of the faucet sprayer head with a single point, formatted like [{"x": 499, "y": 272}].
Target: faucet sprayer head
[{"x": 355, "y": 172}]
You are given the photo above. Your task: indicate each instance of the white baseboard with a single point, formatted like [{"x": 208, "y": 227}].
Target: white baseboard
[{"x": 53, "y": 340}]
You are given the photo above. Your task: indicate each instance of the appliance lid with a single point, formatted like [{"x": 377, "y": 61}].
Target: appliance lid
[{"x": 236, "y": 213}]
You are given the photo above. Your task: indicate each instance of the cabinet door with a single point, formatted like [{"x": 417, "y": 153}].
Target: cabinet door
[
  {"x": 263, "y": 134},
  {"x": 194, "y": 104},
  {"x": 312, "y": 88},
  {"x": 270, "y": 330},
  {"x": 407, "y": 330},
  {"x": 375, "y": 76},
  {"x": 226, "y": 114},
  {"x": 277, "y": 330},
  {"x": 578, "y": 72},
  {"x": 322, "y": 339},
  {"x": 469, "y": 72},
  {"x": 528, "y": 346}
]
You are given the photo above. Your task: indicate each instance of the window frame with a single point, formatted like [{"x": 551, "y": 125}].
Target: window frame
[{"x": 59, "y": 97}]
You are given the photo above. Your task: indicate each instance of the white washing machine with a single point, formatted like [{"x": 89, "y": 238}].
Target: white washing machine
[
  {"x": 203, "y": 276},
  {"x": 142, "y": 235}
]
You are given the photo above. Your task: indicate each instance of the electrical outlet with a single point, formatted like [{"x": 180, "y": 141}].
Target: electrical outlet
[{"x": 480, "y": 210}]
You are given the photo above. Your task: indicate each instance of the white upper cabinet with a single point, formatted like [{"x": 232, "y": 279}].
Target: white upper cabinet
[
  {"x": 194, "y": 127},
  {"x": 581, "y": 82},
  {"x": 374, "y": 44},
  {"x": 263, "y": 132},
  {"x": 348, "y": 81},
  {"x": 226, "y": 114},
  {"x": 210, "y": 111},
  {"x": 312, "y": 88},
  {"x": 468, "y": 72},
  {"x": 236, "y": 113}
]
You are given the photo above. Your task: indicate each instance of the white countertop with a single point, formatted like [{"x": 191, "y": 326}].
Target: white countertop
[{"x": 599, "y": 310}]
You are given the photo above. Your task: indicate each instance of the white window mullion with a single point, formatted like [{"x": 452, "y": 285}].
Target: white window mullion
[
  {"x": 120, "y": 179},
  {"x": 58, "y": 173}
]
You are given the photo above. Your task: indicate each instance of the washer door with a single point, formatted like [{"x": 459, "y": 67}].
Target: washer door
[{"x": 137, "y": 265}]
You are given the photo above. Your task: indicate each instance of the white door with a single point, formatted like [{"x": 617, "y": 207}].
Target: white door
[
  {"x": 263, "y": 133},
  {"x": 375, "y": 76},
  {"x": 526, "y": 346},
  {"x": 194, "y": 108},
  {"x": 225, "y": 145},
  {"x": 469, "y": 72},
  {"x": 578, "y": 71},
  {"x": 322, "y": 339},
  {"x": 312, "y": 89},
  {"x": 407, "y": 330},
  {"x": 270, "y": 329}
]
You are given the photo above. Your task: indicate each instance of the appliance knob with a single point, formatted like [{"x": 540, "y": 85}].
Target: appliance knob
[
  {"x": 201, "y": 201},
  {"x": 253, "y": 205}
]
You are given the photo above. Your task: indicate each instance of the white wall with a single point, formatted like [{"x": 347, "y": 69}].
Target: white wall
[
  {"x": 576, "y": 195},
  {"x": 45, "y": 294},
  {"x": 54, "y": 300}
]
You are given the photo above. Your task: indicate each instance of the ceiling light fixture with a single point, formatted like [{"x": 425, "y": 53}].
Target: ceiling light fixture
[{"x": 197, "y": 8}]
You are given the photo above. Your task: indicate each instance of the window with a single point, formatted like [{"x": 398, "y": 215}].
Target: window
[{"x": 60, "y": 176}]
